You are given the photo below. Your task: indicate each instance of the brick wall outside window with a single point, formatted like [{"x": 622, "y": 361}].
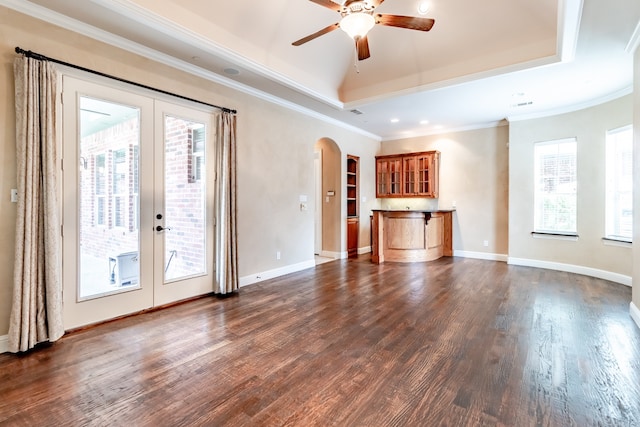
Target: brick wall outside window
[{"x": 184, "y": 198}]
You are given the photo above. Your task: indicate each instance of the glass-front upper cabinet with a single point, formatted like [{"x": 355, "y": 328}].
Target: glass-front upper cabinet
[
  {"x": 408, "y": 175},
  {"x": 388, "y": 177}
]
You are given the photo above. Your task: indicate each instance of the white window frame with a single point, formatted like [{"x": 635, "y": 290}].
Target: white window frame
[
  {"x": 555, "y": 186},
  {"x": 619, "y": 184}
]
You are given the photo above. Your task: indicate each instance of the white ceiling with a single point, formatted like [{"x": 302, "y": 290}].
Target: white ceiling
[{"x": 482, "y": 62}]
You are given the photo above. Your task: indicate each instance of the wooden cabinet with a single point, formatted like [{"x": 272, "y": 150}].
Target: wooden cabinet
[
  {"x": 388, "y": 176},
  {"x": 408, "y": 175},
  {"x": 411, "y": 236},
  {"x": 353, "y": 229},
  {"x": 353, "y": 208}
]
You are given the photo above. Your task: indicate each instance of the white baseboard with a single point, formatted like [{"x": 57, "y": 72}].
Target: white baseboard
[
  {"x": 481, "y": 255},
  {"x": 277, "y": 272},
  {"x": 635, "y": 313},
  {"x": 4, "y": 344},
  {"x": 570, "y": 268}
]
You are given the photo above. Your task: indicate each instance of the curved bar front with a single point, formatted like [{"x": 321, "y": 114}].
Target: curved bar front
[{"x": 411, "y": 236}]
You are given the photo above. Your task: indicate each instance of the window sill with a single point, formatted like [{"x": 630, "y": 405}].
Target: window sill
[
  {"x": 612, "y": 241},
  {"x": 554, "y": 236}
]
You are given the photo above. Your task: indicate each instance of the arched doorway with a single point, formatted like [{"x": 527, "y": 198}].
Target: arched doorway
[{"x": 328, "y": 188}]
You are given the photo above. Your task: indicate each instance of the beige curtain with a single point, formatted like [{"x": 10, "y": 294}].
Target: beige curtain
[
  {"x": 227, "y": 280},
  {"x": 36, "y": 314}
]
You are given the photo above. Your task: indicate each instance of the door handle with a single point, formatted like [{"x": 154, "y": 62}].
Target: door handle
[{"x": 161, "y": 228}]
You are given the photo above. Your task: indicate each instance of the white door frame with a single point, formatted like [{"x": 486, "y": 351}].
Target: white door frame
[
  {"x": 152, "y": 291},
  {"x": 317, "y": 168}
]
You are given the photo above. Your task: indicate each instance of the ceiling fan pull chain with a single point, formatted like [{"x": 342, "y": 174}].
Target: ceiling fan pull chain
[{"x": 355, "y": 61}]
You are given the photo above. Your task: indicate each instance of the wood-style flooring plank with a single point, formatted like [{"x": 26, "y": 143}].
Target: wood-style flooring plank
[{"x": 454, "y": 342}]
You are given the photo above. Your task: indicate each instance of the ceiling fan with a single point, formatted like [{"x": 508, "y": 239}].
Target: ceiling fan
[{"x": 358, "y": 17}]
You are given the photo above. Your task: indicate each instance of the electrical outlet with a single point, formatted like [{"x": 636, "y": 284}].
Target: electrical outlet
[
  {"x": 485, "y": 243},
  {"x": 278, "y": 255},
  {"x": 14, "y": 195}
]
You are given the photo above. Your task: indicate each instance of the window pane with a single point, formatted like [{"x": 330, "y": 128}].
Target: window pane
[
  {"x": 619, "y": 188},
  {"x": 185, "y": 203},
  {"x": 108, "y": 255},
  {"x": 555, "y": 176}
]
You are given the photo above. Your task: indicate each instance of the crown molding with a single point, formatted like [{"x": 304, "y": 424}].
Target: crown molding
[
  {"x": 170, "y": 28},
  {"x": 569, "y": 17}
]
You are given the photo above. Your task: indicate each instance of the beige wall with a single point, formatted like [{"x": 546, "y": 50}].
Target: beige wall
[
  {"x": 589, "y": 126},
  {"x": 474, "y": 174},
  {"x": 275, "y": 149}
]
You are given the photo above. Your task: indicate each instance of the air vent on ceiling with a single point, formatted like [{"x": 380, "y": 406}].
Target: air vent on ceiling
[
  {"x": 356, "y": 112},
  {"x": 522, "y": 104}
]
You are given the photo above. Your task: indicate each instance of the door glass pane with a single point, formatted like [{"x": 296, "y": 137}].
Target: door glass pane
[
  {"x": 108, "y": 179},
  {"x": 184, "y": 196}
]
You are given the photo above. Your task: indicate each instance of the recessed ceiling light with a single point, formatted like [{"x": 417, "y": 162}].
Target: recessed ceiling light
[
  {"x": 231, "y": 71},
  {"x": 424, "y": 122},
  {"x": 395, "y": 120},
  {"x": 423, "y": 7}
]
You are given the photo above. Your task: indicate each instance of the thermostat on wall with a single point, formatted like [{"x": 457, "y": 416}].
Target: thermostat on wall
[{"x": 331, "y": 193}]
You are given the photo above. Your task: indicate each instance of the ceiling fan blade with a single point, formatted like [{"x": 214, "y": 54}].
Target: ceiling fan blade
[
  {"x": 316, "y": 34},
  {"x": 375, "y": 3},
  {"x": 362, "y": 46},
  {"x": 410, "y": 22},
  {"x": 329, "y": 4}
]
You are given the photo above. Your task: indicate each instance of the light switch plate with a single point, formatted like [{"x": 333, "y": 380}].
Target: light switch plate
[{"x": 14, "y": 195}]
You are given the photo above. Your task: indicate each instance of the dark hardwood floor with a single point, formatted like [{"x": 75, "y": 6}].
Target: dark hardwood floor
[{"x": 456, "y": 342}]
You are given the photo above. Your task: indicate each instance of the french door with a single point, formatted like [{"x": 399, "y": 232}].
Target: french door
[{"x": 137, "y": 202}]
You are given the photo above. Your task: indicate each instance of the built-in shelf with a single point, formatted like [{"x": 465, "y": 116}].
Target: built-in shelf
[{"x": 353, "y": 208}]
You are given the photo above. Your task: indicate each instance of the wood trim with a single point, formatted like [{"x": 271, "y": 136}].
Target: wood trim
[{"x": 396, "y": 236}]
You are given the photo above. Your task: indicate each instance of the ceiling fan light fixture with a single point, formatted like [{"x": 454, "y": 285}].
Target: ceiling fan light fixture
[
  {"x": 358, "y": 24},
  {"x": 423, "y": 7}
]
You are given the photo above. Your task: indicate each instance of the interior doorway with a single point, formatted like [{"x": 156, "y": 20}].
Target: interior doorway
[
  {"x": 328, "y": 197},
  {"x": 317, "y": 173}
]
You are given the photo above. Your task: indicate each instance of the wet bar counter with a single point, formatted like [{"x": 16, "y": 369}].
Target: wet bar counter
[{"x": 411, "y": 235}]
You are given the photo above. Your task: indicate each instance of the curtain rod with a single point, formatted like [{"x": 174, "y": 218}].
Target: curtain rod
[{"x": 30, "y": 54}]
